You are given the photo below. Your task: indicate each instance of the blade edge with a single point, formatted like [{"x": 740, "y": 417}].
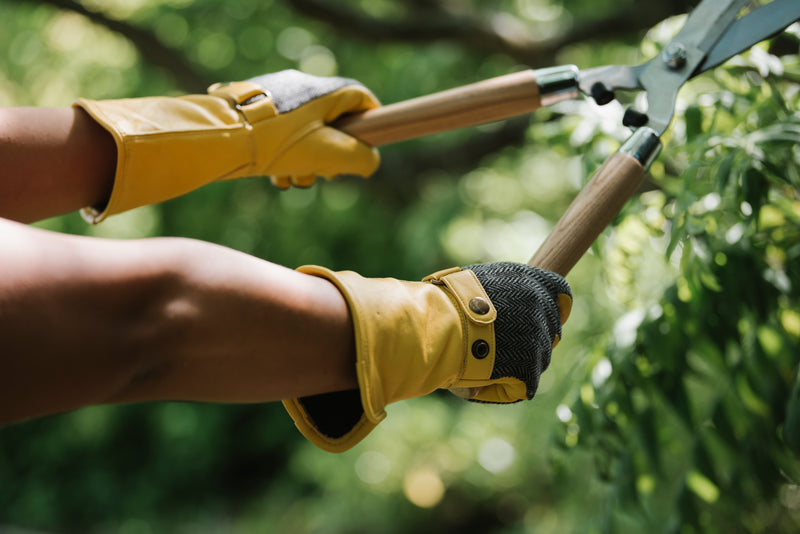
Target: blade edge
[{"x": 750, "y": 30}]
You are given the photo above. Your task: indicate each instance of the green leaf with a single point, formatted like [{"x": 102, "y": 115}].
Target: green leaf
[
  {"x": 694, "y": 122},
  {"x": 791, "y": 425},
  {"x": 702, "y": 486},
  {"x": 725, "y": 170}
]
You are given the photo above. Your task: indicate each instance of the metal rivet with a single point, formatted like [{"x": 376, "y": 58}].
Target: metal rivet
[
  {"x": 674, "y": 55},
  {"x": 480, "y": 349},
  {"x": 479, "y": 305}
]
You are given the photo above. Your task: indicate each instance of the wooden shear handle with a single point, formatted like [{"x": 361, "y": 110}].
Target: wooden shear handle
[
  {"x": 503, "y": 97},
  {"x": 593, "y": 209},
  {"x": 478, "y": 103},
  {"x": 598, "y": 203}
]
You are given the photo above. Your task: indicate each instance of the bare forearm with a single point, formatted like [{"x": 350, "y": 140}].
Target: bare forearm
[
  {"x": 52, "y": 161},
  {"x": 87, "y": 321},
  {"x": 245, "y": 330}
]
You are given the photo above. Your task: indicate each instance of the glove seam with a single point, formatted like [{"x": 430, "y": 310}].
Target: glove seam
[{"x": 464, "y": 335}]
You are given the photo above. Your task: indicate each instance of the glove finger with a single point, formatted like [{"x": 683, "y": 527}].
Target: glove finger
[
  {"x": 334, "y": 151},
  {"x": 303, "y": 181},
  {"x": 557, "y": 288},
  {"x": 350, "y": 99},
  {"x": 344, "y": 154},
  {"x": 466, "y": 393},
  {"x": 564, "y": 306},
  {"x": 281, "y": 182}
]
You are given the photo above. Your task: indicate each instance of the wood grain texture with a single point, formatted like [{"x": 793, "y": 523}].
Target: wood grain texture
[
  {"x": 478, "y": 103},
  {"x": 592, "y": 210}
]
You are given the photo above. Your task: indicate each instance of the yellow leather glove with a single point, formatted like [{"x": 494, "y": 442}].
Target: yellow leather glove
[
  {"x": 486, "y": 331},
  {"x": 273, "y": 125}
]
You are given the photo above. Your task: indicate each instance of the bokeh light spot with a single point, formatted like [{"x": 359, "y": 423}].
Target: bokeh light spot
[
  {"x": 496, "y": 455},
  {"x": 319, "y": 61},
  {"x": 423, "y": 487},
  {"x": 563, "y": 413},
  {"x": 293, "y": 41},
  {"x": 216, "y": 50},
  {"x": 372, "y": 467}
]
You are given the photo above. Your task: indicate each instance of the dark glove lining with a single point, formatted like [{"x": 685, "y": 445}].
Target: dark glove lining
[{"x": 334, "y": 414}]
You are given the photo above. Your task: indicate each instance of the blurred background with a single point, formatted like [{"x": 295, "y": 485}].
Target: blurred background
[{"x": 673, "y": 402}]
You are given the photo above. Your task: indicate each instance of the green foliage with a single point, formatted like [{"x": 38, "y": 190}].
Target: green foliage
[
  {"x": 692, "y": 413},
  {"x": 672, "y": 404}
]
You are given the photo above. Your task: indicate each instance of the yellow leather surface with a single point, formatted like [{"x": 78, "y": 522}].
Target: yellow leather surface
[
  {"x": 411, "y": 339},
  {"x": 169, "y": 146}
]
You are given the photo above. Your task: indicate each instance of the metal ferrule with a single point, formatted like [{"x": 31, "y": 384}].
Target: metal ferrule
[
  {"x": 644, "y": 145},
  {"x": 557, "y": 83}
]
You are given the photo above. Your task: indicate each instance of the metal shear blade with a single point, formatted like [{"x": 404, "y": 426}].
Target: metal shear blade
[{"x": 712, "y": 35}]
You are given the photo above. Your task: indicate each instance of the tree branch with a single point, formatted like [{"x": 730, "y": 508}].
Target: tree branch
[
  {"x": 487, "y": 33},
  {"x": 153, "y": 51}
]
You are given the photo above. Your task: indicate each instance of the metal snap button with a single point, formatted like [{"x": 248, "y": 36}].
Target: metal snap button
[
  {"x": 479, "y": 305},
  {"x": 480, "y": 349}
]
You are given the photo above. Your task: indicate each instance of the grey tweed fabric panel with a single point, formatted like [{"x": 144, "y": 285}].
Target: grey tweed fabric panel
[{"x": 526, "y": 299}]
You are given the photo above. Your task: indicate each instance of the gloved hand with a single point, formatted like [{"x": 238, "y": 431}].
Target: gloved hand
[
  {"x": 273, "y": 125},
  {"x": 486, "y": 330}
]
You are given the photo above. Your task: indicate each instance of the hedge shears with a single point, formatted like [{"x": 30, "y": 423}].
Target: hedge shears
[{"x": 713, "y": 33}]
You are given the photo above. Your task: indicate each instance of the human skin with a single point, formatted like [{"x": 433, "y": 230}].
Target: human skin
[
  {"x": 54, "y": 161},
  {"x": 89, "y": 321}
]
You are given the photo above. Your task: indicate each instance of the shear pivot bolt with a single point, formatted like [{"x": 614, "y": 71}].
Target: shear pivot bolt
[{"x": 674, "y": 55}]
